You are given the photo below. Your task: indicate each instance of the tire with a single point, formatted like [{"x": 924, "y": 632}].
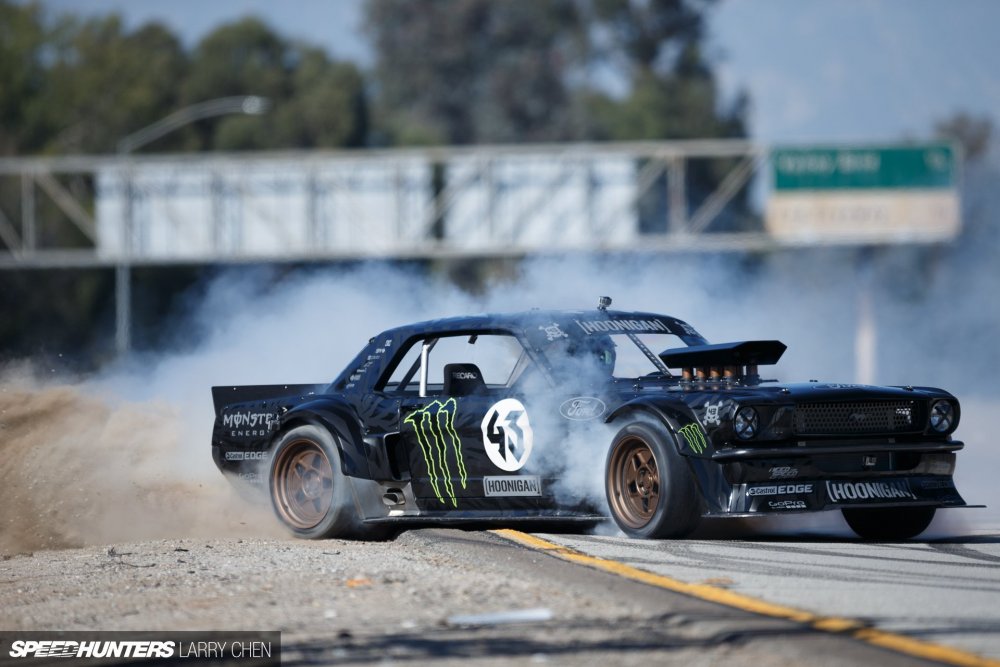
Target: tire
[
  {"x": 650, "y": 488},
  {"x": 889, "y": 523},
  {"x": 309, "y": 493}
]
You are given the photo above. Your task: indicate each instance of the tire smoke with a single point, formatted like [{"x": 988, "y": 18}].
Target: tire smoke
[{"x": 125, "y": 455}]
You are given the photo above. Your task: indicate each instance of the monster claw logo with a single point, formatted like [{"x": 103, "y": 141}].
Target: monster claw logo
[
  {"x": 694, "y": 437},
  {"x": 434, "y": 426}
]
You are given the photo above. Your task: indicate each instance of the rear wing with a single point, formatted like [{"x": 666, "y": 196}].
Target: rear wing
[{"x": 749, "y": 352}]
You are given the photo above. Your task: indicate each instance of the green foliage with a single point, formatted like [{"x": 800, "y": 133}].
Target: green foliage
[
  {"x": 458, "y": 72},
  {"x": 22, "y": 75},
  {"x": 971, "y": 132},
  {"x": 316, "y": 102},
  {"x": 103, "y": 83},
  {"x": 474, "y": 71},
  {"x": 79, "y": 86},
  {"x": 477, "y": 71}
]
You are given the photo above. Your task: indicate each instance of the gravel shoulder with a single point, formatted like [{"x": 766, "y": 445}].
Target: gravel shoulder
[{"x": 356, "y": 603}]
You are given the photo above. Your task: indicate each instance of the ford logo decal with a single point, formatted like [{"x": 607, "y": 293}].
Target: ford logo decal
[{"x": 582, "y": 408}]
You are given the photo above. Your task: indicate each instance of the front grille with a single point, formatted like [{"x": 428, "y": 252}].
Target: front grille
[{"x": 856, "y": 418}]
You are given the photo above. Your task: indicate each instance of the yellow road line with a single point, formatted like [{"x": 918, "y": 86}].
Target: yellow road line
[{"x": 832, "y": 624}]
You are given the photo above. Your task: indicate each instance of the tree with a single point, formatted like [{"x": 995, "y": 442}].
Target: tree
[
  {"x": 477, "y": 71},
  {"x": 655, "y": 46},
  {"x": 105, "y": 83},
  {"x": 22, "y": 76},
  {"x": 474, "y": 71},
  {"x": 972, "y": 133},
  {"x": 316, "y": 102}
]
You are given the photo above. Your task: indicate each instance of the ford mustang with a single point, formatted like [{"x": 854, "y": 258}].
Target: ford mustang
[{"x": 480, "y": 420}]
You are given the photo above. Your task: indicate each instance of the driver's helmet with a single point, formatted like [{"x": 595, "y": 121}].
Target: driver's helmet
[
  {"x": 603, "y": 349},
  {"x": 585, "y": 359}
]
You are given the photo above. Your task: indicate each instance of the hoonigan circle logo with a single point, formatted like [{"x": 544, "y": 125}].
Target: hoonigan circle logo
[
  {"x": 507, "y": 434},
  {"x": 434, "y": 426}
]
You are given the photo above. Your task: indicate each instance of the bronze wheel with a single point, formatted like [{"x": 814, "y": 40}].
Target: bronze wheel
[
  {"x": 302, "y": 484},
  {"x": 634, "y": 482},
  {"x": 650, "y": 487}
]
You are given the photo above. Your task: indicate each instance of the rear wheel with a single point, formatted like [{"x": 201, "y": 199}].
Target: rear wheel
[
  {"x": 889, "y": 523},
  {"x": 651, "y": 491},
  {"x": 309, "y": 492}
]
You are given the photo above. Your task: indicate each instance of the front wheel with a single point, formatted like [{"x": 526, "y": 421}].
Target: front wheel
[
  {"x": 889, "y": 523},
  {"x": 651, "y": 491},
  {"x": 309, "y": 492}
]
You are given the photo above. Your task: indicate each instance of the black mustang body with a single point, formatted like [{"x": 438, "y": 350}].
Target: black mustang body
[{"x": 481, "y": 419}]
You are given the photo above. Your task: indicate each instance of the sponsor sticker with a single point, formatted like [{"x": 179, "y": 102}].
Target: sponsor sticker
[
  {"x": 784, "y": 472},
  {"x": 246, "y": 456},
  {"x": 528, "y": 485},
  {"x": 694, "y": 438},
  {"x": 712, "y": 413},
  {"x": 246, "y": 424},
  {"x": 507, "y": 434},
  {"x": 779, "y": 490},
  {"x": 935, "y": 484},
  {"x": 786, "y": 504},
  {"x": 604, "y": 326},
  {"x": 553, "y": 332},
  {"x": 582, "y": 408},
  {"x": 893, "y": 489},
  {"x": 434, "y": 428}
]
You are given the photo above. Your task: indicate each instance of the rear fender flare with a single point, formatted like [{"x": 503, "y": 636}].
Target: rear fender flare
[{"x": 340, "y": 420}]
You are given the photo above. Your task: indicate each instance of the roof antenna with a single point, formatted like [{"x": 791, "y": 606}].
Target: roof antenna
[{"x": 603, "y": 303}]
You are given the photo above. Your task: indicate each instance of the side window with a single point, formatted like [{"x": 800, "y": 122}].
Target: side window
[
  {"x": 497, "y": 357},
  {"x": 410, "y": 363}
]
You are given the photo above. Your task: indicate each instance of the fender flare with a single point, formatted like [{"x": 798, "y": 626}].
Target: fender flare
[
  {"x": 708, "y": 474},
  {"x": 337, "y": 417},
  {"x": 674, "y": 418}
]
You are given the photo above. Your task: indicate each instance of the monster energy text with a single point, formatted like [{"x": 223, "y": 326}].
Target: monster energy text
[{"x": 434, "y": 426}]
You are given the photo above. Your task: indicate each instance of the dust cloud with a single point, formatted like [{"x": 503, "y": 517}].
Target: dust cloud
[{"x": 80, "y": 470}]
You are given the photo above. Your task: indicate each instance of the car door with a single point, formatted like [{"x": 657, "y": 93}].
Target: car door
[{"x": 468, "y": 435}]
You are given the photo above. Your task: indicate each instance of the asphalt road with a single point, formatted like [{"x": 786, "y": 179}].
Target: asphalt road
[
  {"x": 421, "y": 599},
  {"x": 944, "y": 590}
]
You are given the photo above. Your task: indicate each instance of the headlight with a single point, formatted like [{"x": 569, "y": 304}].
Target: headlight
[
  {"x": 942, "y": 416},
  {"x": 746, "y": 423}
]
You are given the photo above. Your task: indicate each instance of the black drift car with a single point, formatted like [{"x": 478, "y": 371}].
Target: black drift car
[{"x": 480, "y": 420}]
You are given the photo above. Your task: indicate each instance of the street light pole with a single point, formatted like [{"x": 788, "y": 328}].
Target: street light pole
[
  {"x": 252, "y": 105},
  {"x": 244, "y": 104}
]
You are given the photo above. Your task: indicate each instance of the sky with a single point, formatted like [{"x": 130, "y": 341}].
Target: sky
[{"x": 816, "y": 70}]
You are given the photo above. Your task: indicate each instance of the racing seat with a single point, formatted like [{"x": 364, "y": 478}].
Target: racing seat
[{"x": 463, "y": 380}]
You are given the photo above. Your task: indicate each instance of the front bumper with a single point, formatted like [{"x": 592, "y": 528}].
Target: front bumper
[{"x": 814, "y": 495}]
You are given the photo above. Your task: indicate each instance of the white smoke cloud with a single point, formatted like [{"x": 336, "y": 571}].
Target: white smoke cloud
[
  {"x": 306, "y": 330},
  {"x": 935, "y": 312}
]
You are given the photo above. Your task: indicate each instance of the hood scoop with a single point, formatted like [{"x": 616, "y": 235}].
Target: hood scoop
[{"x": 724, "y": 361}]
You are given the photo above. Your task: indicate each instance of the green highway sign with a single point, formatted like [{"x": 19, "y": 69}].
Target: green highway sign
[{"x": 923, "y": 167}]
